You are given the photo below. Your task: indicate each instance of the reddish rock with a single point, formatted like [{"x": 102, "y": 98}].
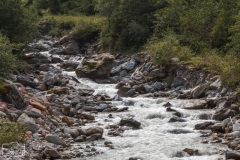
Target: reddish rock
[
  {"x": 94, "y": 130},
  {"x": 191, "y": 151},
  {"x": 67, "y": 121},
  {"x": 43, "y": 132},
  {"x": 22, "y": 90},
  {"x": 87, "y": 116},
  {"x": 4, "y": 108},
  {"x": 43, "y": 87},
  {"x": 30, "y": 95},
  {"x": 37, "y": 105},
  {"x": 57, "y": 90}
]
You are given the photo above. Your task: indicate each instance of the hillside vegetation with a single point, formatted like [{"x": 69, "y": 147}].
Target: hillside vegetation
[{"x": 202, "y": 33}]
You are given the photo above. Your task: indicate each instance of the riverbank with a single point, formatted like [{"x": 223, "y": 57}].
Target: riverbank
[{"x": 130, "y": 104}]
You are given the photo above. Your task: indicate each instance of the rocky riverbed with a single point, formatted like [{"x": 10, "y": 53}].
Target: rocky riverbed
[{"x": 80, "y": 104}]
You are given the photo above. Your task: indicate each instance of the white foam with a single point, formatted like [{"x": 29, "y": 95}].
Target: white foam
[{"x": 152, "y": 141}]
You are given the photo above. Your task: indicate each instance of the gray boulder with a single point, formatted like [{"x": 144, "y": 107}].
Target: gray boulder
[
  {"x": 157, "y": 86},
  {"x": 37, "y": 57},
  {"x": 129, "y": 65},
  {"x": 55, "y": 140},
  {"x": 130, "y": 93},
  {"x": 53, "y": 153},
  {"x": 200, "y": 90},
  {"x": 29, "y": 122},
  {"x": 11, "y": 95},
  {"x": 123, "y": 90},
  {"x": 157, "y": 73},
  {"x": 194, "y": 104},
  {"x": 52, "y": 77},
  {"x": 177, "y": 82},
  {"x": 72, "y": 49},
  {"x": 73, "y": 132},
  {"x": 72, "y": 64},
  {"x": 116, "y": 70},
  {"x": 129, "y": 121},
  {"x": 217, "y": 84},
  {"x": 26, "y": 81}
]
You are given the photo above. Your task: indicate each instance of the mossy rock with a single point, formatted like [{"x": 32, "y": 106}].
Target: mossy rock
[
  {"x": 89, "y": 64},
  {"x": 5, "y": 88},
  {"x": 97, "y": 68}
]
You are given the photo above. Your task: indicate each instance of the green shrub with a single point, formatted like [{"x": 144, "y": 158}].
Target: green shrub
[
  {"x": 168, "y": 48},
  {"x": 8, "y": 62},
  {"x": 227, "y": 66},
  {"x": 11, "y": 131},
  {"x": 231, "y": 71}
]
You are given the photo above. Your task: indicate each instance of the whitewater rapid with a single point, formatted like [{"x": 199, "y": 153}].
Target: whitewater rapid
[{"x": 152, "y": 141}]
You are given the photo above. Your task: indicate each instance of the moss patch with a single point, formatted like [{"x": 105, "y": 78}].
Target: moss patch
[{"x": 4, "y": 87}]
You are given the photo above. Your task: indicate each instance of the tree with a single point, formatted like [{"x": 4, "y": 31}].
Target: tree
[
  {"x": 16, "y": 22},
  {"x": 8, "y": 62},
  {"x": 220, "y": 33},
  {"x": 129, "y": 26},
  {"x": 233, "y": 46},
  {"x": 196, "y": 24},
  {"x": 54, "y": 6}
]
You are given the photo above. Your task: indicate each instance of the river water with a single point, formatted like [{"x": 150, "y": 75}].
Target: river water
[{"x": 152, "y": 141}]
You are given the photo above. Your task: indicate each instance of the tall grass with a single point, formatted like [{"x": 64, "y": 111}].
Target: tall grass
[
  {"x": 63, "y": 24},
  {"x": 11, "y": 131}
]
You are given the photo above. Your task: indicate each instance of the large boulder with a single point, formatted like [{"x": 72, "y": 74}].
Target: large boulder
[
  {"x": 72, "y": 49},
  {"x": 52, "y": 77},
  {"x": 29, "y": 122},
  {"x": 217, "y": 84},
  {"x": 223, "y": 110},
  {"x": 94, "y": 130},
  {"x": 194, "y": 104},
  {"x": 123, "y": 90},
  {"x": 200, "y": 90},
  {"x": 55, "y": 140},
  {"x": 129, "y": 121},
  {"x": 129, "y": 65},
  {"x": 24, "y": 80},
  {"x": 37, "y": 57},
  {"x": 97, "y": 68},
  {"x": 11, "y": 95},
  {"x": 158, "y": 73}
]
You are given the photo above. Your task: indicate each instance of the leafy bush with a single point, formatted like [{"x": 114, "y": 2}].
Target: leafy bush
[
  {"x": 227, "y": 66},
  {"x": 128, "y": 26},
  {"x": 8, "y": 62},
  {"x": 11, "y": 131},
  {"x": 168, "y": 48},
  {"x": 231, "y": 72}
]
